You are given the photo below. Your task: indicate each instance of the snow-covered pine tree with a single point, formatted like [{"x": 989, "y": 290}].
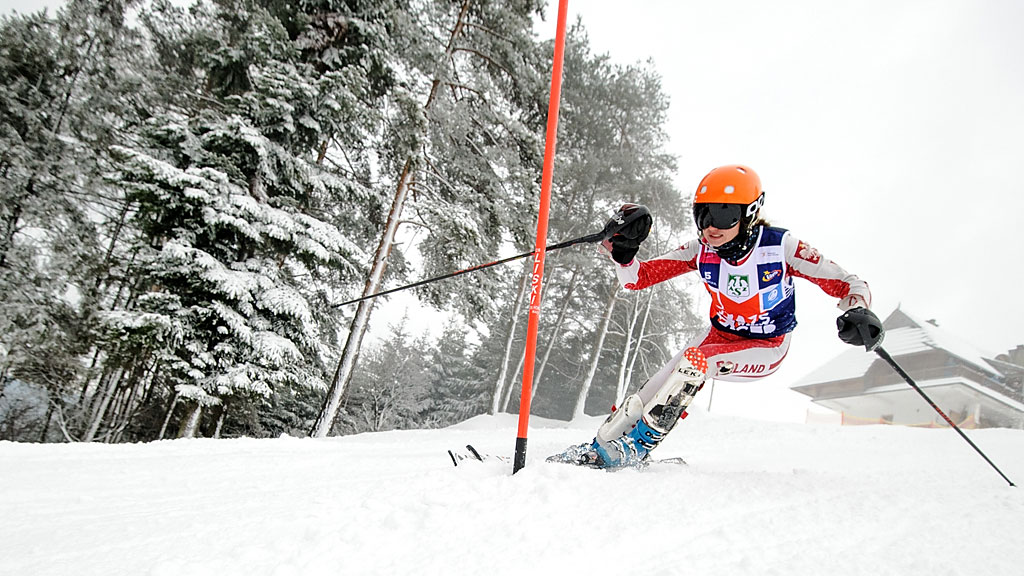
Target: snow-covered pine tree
[
  {"x": 392, "y": 388},
  {"x": 460, "y": 142},
  {"x": 249, "y": 153},
  {"x": 242, "y": 222},
  {"x": 458, "y": 388},
  {"x": 37, "y": 337},
  {"x": 611, "y": 150},
  {"x": 475, "y": 188},
  {"x": 72, "y": 85}
]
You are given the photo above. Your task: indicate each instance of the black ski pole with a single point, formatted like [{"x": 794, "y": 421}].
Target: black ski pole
[
  {"x": 624, "y": 217},
  {"x": 590, "y": 238},
  {"x": 885, "y": 356}
]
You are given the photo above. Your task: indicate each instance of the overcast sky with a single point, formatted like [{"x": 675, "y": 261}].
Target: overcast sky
[
  {"x": 27, "y": 6},
  {"x": 888, "y": 134}
]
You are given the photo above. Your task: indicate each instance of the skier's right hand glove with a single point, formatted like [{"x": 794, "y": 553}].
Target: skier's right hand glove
[
  {"x": 629, "y": 227},
  {"x": 860, "y": 327}
]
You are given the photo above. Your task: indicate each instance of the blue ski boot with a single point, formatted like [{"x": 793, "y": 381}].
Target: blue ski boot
[
  {"x": 659, "y": 415},
  {"x": 631, "y": 432}
]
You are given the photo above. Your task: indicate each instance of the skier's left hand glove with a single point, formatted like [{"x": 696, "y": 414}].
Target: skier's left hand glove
[
  {"x": 625, "y": 242},
  {"x": 860, "y": 327}
]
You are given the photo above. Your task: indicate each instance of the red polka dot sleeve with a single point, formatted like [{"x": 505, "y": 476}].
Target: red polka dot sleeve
[{"x": 640, "y": 274}]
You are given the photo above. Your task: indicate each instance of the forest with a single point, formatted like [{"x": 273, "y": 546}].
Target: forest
[{"x": 188, "y": 194}]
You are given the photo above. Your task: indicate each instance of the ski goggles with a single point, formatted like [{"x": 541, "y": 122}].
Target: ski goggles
[{"x": 721, "y": 216}]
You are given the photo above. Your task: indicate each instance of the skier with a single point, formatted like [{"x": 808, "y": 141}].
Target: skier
[{"x": 748, "y": 267}]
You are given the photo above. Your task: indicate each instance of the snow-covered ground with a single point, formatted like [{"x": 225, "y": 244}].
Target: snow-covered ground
[{"x": 756, "y": 498}]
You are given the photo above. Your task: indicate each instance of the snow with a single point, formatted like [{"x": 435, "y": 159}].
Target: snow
[
  {"x": 275, "y": 350},
  {"x": 193, "y": 392},
  {"x": 936, "y": 337},
  {"x": 756, "y": 498}
]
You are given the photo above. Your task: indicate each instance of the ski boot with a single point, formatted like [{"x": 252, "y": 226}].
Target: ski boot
[
  {"x": 630, "y": 433},
  {"x": 593, "y": 453}
]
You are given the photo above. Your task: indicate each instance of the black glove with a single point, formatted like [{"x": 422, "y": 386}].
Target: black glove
[
  {"x": 860, "y": 327},
  {"x": 631, "y": 225}
]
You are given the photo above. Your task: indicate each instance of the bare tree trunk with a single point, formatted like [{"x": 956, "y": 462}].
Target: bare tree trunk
[
  {"x": 123, "y": 396},
  {"x": 7, "y": 237},
  {"x": 517, "y": 307},
  {"x": 121, "y": 410},
  {"x": 512, "y": 384},
  {"x": 581, "y": 400},
  {"x": 87, "y": 56},
  {"x": 553, "y": 338},
  {"x": 126, "y": 412},
  {"x": 620, "y": 384},
  {"x": 114, "y": 238},
  {"x": 167, "y": 419},
  {"x": 124, "y": 286},
  {"x": 357, "y": 329},
  {"x": 101, "y": 408},
  {"x": 46, "y": 422},
  {"x": 88, "y": 379},
  {"x": 220, "y": 419},
  {"x": 115, "y": 413},
  {"x": 322, "y": 153},
  {"x": 152, "y": 383},
  {"x": 190, "y": 425},
  {"x": 522, "y": 360},
  {"x": 631, "y": 351},
  {"x": 636, "y": 350}
]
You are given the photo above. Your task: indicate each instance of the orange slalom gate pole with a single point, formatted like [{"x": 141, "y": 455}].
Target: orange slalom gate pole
[{"x": 542, "y": 236}]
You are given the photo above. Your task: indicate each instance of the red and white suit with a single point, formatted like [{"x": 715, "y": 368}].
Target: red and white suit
[{"x": 752, "y": 301}]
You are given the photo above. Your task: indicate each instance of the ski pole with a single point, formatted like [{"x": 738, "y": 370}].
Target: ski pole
[
  {"x": 627, "y": 215},
  {"x": 885, "y": 356},
  {"x": 582, "y": 239}
]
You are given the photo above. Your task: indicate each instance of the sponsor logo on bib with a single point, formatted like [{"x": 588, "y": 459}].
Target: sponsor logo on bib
[{"x": 739, "y": 286}]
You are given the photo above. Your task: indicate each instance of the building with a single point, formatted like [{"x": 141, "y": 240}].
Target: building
[{"x": 973, "y": 390}]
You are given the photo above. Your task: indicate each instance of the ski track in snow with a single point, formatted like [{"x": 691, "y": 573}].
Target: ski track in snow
[{"x": 757, "y": 498}]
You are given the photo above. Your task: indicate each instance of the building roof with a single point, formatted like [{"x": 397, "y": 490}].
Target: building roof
[
  {"x": 1007, "y": 368},
  {"x": 904, "y": 335}
]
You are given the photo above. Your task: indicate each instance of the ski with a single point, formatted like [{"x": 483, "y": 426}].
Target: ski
[
  {"x": 676, "y": 460},
  {"x": 644, "y": 464},
  {"x": 473, "y": 454}
]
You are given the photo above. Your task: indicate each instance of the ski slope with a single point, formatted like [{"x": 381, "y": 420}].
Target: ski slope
[{"x": 756, "y": 498}]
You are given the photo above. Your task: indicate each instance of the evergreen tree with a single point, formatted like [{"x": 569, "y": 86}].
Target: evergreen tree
[
  {"x": 243, "y": 243},
  {"x": 458, "y": 142},
  {"x": 611, "y": 150},
  {"x": 68, "y": 91},
  {"x": 186, "y": 195},
  {"x": 391, "y": 389},
  {"x": 458, "y": 389}
]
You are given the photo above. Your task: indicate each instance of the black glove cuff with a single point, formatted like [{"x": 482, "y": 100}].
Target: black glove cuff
[{"x": 623, "y": 255}]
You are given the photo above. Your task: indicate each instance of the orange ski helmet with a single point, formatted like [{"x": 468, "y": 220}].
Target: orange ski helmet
[
  {"x": 729, "y": 196},
  {"x": 732, "y": 184},
  {"x": 726, "y": 196}
]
